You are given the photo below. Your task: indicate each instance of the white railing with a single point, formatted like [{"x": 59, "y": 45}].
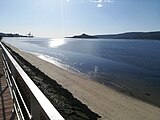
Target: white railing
[{"x": 39, "y": 107}]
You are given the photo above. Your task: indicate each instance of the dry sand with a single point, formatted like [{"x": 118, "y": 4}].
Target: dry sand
[{"x": 107, "y": 102}]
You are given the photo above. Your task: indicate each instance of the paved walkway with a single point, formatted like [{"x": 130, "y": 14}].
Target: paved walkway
[{"x": 6, "y": 103}]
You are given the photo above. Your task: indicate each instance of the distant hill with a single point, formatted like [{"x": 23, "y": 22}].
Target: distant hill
[
  {"x": 132, "y": 35},
  {"x": 84, "y": 36},
  {"x": 128, "y": 35},
  {"x": 11, "y": 35}
]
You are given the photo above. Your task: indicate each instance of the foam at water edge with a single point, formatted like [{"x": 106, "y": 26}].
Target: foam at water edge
[{"x": 56, "y": 62}]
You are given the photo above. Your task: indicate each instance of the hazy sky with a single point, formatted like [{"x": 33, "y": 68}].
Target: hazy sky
[{"x": 58, "y": 18}]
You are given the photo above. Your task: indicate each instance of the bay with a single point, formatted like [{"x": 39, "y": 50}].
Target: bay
[{"x": 131, "y": 65}]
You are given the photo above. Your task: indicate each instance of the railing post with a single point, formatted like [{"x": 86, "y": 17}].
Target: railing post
[{"x": 35, "y": 112}]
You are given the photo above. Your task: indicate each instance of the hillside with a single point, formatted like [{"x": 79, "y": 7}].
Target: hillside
[
  {"x": 132, "y": 35},
  {"x": 11, "y": 35}
]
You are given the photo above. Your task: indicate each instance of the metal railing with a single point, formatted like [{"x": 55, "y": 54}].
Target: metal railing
[{"x": 37, "y": 106}]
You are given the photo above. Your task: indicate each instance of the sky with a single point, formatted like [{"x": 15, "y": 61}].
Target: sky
[{"x": 61, "y": 18}]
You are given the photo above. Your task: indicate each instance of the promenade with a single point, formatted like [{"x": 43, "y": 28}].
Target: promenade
[
  {"x": 33, "y": 106},
  {"x": 6, "y": 102}
]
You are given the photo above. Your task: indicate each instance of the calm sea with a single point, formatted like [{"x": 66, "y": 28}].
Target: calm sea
[{"x": 133, "y": 65}]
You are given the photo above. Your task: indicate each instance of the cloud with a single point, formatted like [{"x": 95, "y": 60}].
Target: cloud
[
  {"x": 100, "y": 3},
  {"x": 110, "y": 0}
]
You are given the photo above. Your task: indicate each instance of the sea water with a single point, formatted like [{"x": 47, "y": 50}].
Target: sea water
[{"x": 133, "y": 65}]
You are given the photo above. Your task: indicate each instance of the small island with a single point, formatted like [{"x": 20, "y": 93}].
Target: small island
[{"x": 84, "y": 36}]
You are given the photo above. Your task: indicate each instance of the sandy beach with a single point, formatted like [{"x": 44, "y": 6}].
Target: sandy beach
[{"x": 105, "y": 101}]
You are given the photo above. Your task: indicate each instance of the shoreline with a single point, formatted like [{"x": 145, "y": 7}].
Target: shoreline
[
  {"x": 107, "y": 102},
  {"x": 147, "y": 97}
]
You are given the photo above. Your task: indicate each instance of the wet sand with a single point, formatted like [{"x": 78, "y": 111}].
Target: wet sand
[{"x": 107, "y": 102}]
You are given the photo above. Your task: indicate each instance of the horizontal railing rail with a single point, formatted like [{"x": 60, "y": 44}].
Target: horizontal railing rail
[{"x": 39, "y": 106}]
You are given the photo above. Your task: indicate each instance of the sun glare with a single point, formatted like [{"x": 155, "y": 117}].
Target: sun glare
[{"x": 54, "y": 43}]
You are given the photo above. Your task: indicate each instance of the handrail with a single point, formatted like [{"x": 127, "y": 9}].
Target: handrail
[{"x": 37, "y": 97}]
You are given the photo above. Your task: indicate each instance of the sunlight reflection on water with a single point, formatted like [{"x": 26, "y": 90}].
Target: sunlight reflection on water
[{"x": 54, "y": 43}]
